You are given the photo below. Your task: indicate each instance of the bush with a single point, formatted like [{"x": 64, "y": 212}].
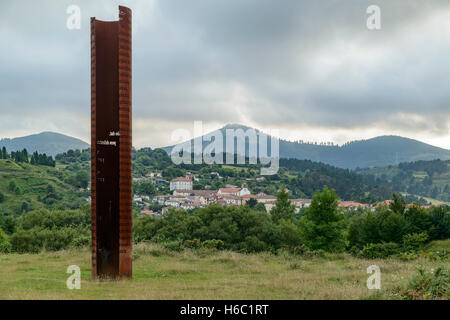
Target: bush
[
  {"x": 81, "y": 241},
  {"x": 415, "y": 241},
  {"x": 56, "y": 239},
  {"x": 5, "y": 246},
  {"x": 213, "y": 244},
  {"x": 300, "y": 250},
  {"x": 253, "y": 244},
  {"x": 379, "y": 250},
  {"x": 428, "y": 285},
  {"x": 194, "y": 243},
  {"x": 174, "y": 245},
  {"x": 25, "y": 241}
]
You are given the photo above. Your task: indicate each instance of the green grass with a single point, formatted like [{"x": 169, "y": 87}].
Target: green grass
[{"x": 162, "y": 274}]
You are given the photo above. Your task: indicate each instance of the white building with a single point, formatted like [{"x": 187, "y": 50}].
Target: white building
[
  {"x": 234, "y": 191},
  {"x": 181, "y": 183}
]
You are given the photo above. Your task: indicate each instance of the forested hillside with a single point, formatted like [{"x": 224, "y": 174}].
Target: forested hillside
[{"x": 423, "y": 178}]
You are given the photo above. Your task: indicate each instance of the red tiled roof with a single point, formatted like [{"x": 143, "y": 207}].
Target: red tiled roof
[
  {"x": 229, "y": 190},
  {"x": 181, "y": 179},
  {"x": 265, "y": 196},
  {"x": 349, "y": 204}
]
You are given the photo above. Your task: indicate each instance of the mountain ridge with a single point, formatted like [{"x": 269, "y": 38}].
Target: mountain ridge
[
  {"x": 374, "y": 152},
  {"x": 50, "y": 143}
]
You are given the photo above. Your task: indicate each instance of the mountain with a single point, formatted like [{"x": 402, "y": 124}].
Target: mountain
[
  {"x": 376, "y": 152},
  {"x": 50, "y": 143}
]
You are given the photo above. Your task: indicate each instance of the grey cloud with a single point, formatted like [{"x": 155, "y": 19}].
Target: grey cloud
[{"x": 232, "y": 61}]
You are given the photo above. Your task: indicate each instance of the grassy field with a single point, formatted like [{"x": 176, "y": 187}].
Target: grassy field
[{"x": 162, "y": 274}]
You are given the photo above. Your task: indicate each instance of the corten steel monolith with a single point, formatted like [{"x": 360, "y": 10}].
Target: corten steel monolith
[{"x": 111, "y": 146}]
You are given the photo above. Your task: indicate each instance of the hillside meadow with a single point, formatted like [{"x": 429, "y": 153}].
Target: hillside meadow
[{"x": 212, "y": 274}]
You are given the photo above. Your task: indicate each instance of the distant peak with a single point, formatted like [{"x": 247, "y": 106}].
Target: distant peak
[{"x": 236, "y": 126}]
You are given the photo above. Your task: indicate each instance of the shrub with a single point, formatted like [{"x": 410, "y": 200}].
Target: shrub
[
  {"x": 379, "y": 250},
  {"x": 415, "y": 241},
  {"x": 81, "y": 241},
  {"x": 428, "y": 285},
  {"x": 407, "y": 256},
  {"x": 253, "y": 244},
  {"x": 5, "y": 246},
  {"x": 194, "y": 243},
  {"x": 213, "y": 244},
  {"x": 174, "y": 245},
  {"x": 300, "y": 250},
  {"x": 56, "y": 239},
  {"x": 25, "y": 241}
]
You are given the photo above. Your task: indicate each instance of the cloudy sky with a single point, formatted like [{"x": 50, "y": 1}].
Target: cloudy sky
[{"x": 311, "y": 69}]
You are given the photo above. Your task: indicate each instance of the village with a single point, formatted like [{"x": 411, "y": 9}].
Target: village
[{"x": 183, "y": 196}]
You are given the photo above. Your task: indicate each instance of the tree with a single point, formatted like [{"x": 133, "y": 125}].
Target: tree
[
  {"x": 398, "y": 204},
  {"x": 4, "y": 154},
  {"x": 323, "y": 226},
  {"x": 260, "y": 207},
  {"x": 283, "y": 208},
  {"x": 144, "y": 188},
  {"x": 251, "y": 202},
  {"x": 82, "y": 179},
  {"x": 2, "y": 197}
]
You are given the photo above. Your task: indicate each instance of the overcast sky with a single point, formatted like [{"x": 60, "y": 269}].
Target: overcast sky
[{"x": 311, "y": 69}]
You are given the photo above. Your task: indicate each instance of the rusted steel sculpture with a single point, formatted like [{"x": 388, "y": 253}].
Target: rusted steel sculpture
[{"x": 111, "y": 147}]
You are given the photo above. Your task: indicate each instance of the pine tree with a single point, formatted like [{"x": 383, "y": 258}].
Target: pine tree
[
  {"x": 283, "y": 208},
  {"x": 398, "y": 204},
  {"x": 323, "y": 226}
]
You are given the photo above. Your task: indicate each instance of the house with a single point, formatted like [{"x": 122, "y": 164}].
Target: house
[
  {"x": 230, "y": 199},
  {"x": 384, "y": 203},
  {"x": 265, "y": 198},
  {"x": 192, "y": 205},
  {"x": 352, "y": 205},
  {"x": 234, "y": 191},
  {"x": 269, "y": 205},
  {"x": 214, "y": 173},
  {"x": 301, "y": 203},
  {"x": 203, "y": 196},
  {"x": 161, "y": 199},
  {"x": 148, "y": 212},
  {"x": 247, "y": 197},
  {"x": 181, "y": 183},
  {"x": 172, "y": 203}
]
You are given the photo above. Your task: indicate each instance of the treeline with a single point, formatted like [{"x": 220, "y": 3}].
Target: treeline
[
  {"x": 384, "y": 232},
  {"x": 421, "y": 178},
  {"x": 44, "y": 229},
  {"x": 72, "y": 156},
  {"x": 394, "y": 230},
  {"x": 42, "y": 159},
  {"x": 430, "y": 167},
  {"x": 24, "y": 157},
  {"x": 348, "y": 184}
]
